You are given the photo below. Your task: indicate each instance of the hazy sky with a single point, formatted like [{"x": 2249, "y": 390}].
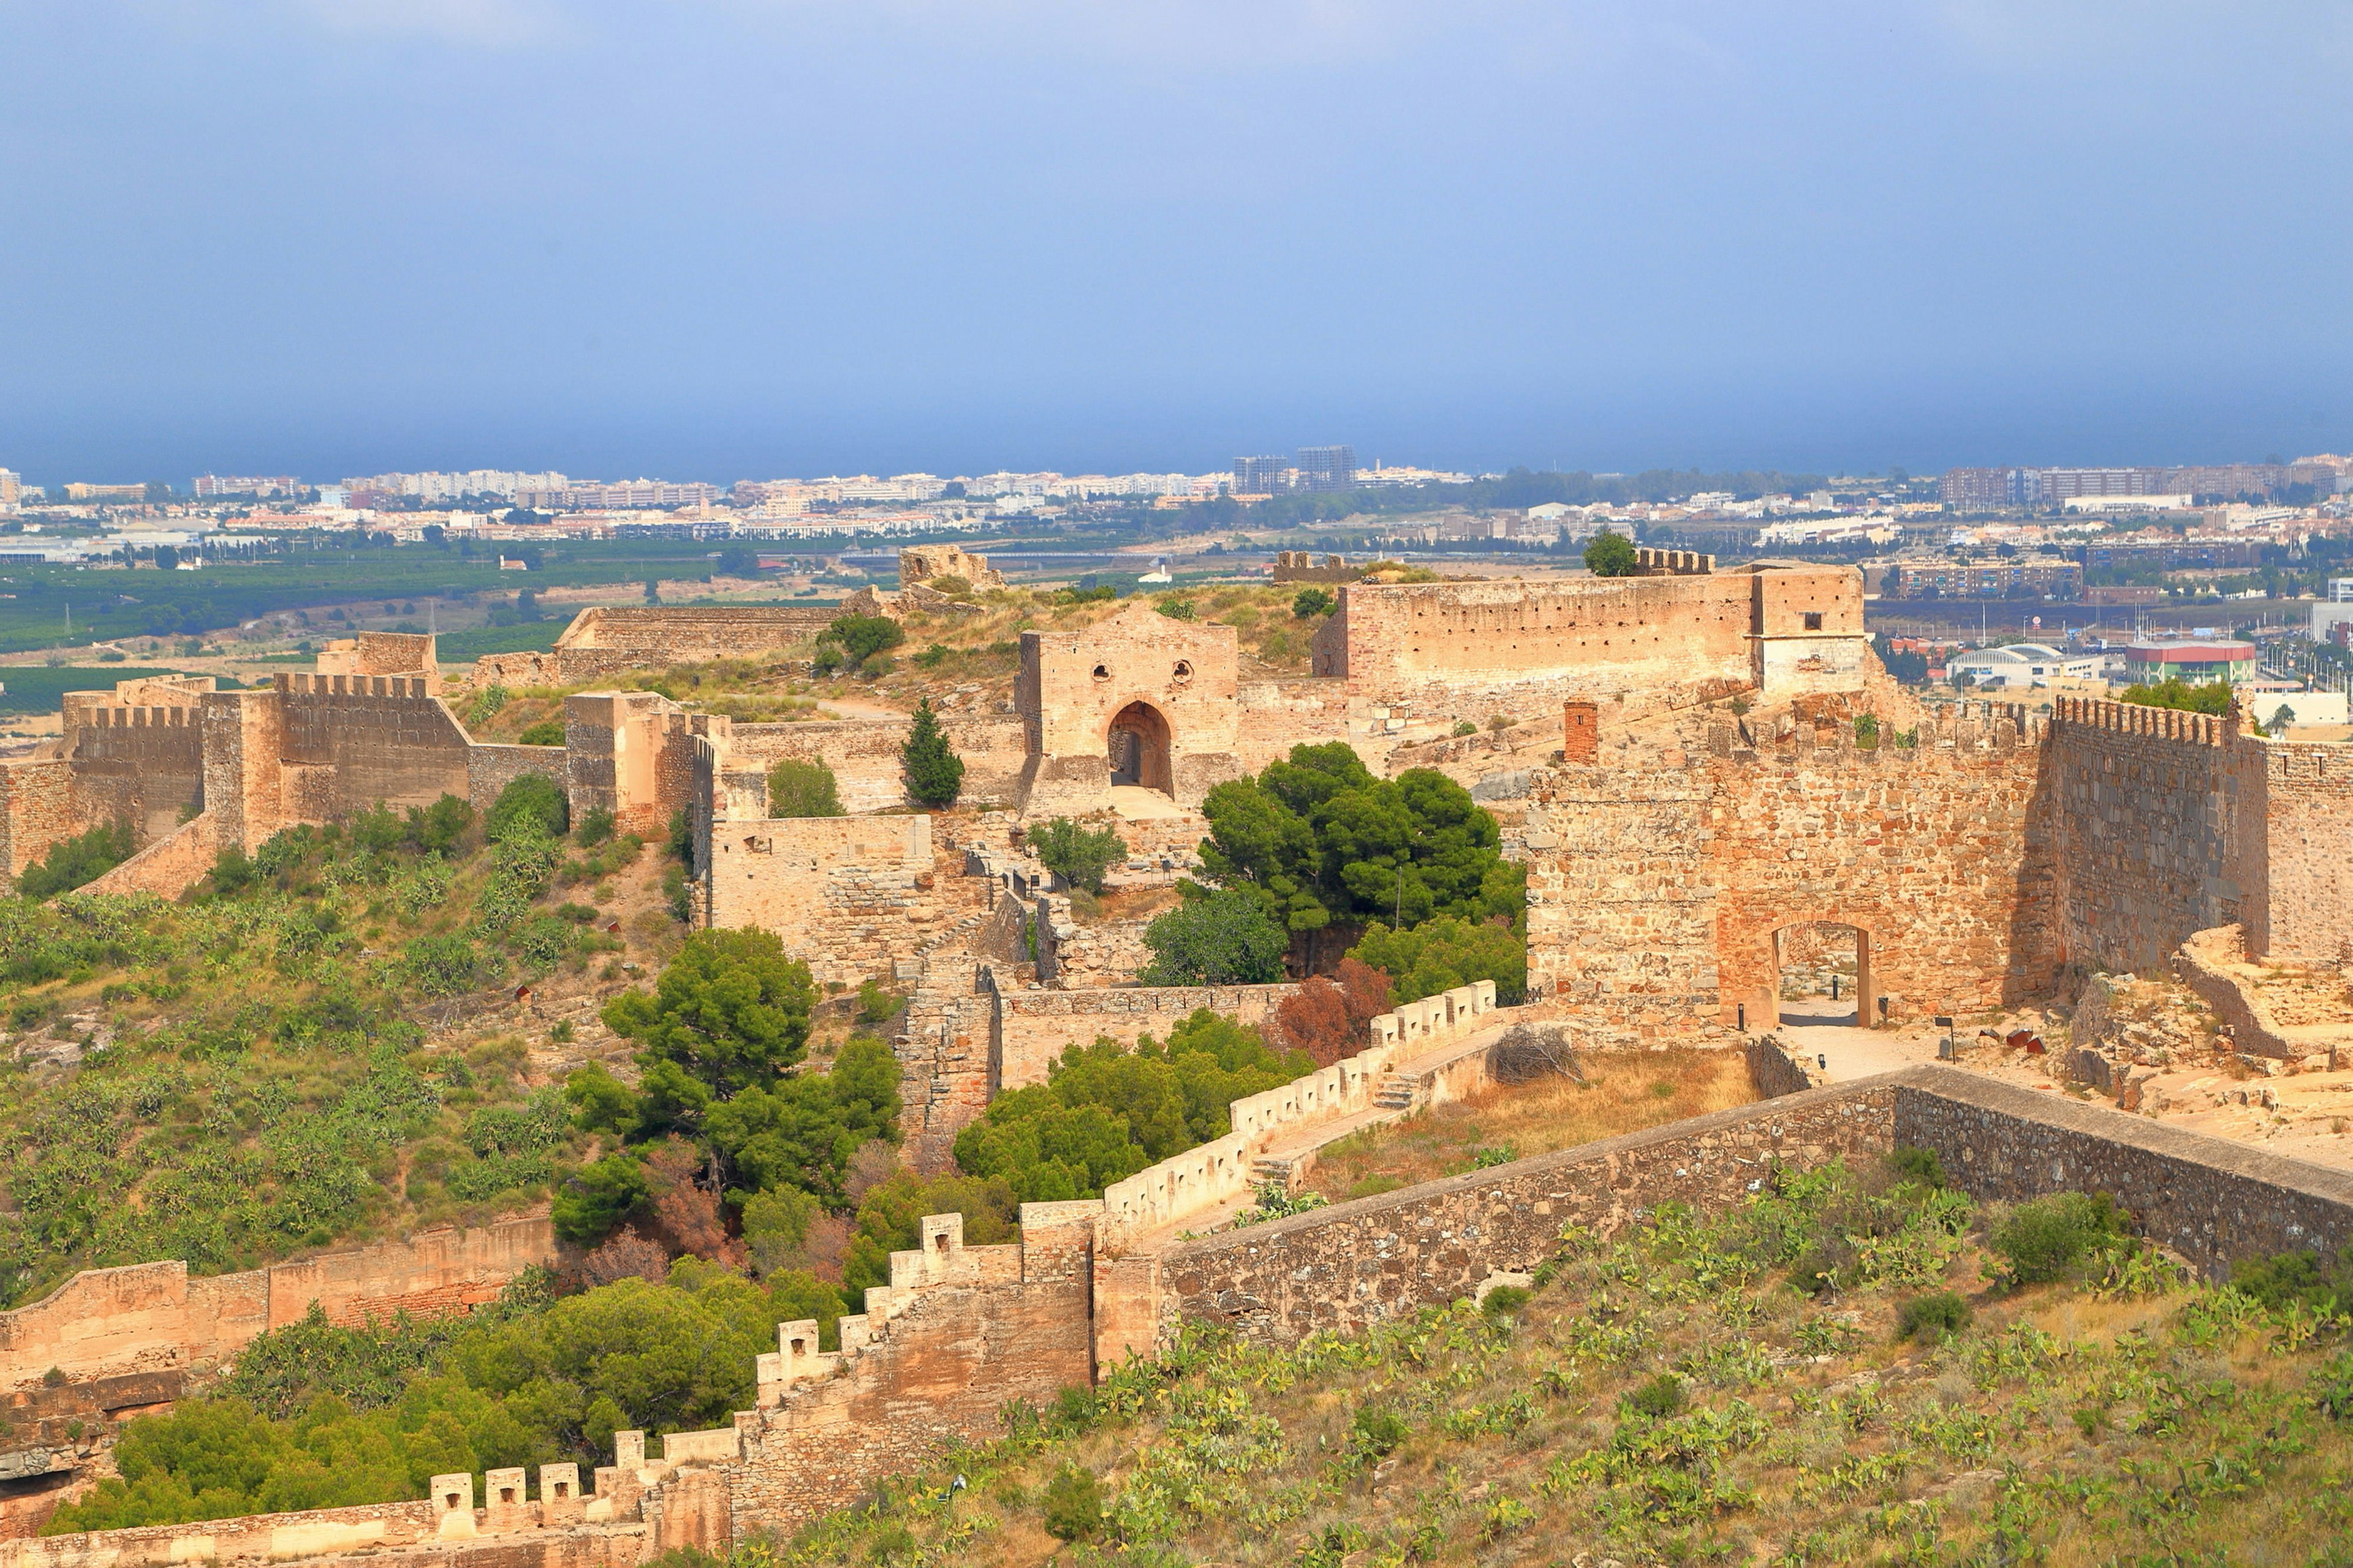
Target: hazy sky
[{"x": 735, "y": 238}]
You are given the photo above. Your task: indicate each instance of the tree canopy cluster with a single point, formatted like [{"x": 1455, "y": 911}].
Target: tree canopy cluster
[
  {"x": 1322, "y": 846},
  {"x": 2213, "y": 697},
  {"x": 319, "y": 1416},
  {"x": 1105, "y": 1113}
]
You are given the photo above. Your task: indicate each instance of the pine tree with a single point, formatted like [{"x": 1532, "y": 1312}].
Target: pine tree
[{"x": 934, "y": 773}]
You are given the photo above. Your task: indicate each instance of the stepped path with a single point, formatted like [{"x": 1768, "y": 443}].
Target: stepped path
[{"x": 1405, "y": 1089}]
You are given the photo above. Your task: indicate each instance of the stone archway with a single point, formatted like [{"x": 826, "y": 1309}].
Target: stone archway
[
  {"x": 1138, "y": 749},
  {"x": 1821, "y": 974}
]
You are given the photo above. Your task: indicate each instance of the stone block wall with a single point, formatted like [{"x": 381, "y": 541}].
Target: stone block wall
[
  {"x": 139, "y": 764},
  {"x": 864, "y": 756},
  {"x": 1659, "y": 871},
  {"x": 2213, "y": 1200},
  {"x": 1347, "y": 1268},
  {"x": 849, "y": 895},
  {"x": 1032, "y": 1028},
  {"x": 376, "y": 738},
  {"x": 153, "y": 1317},
  {"x": 37, "y": 809},
  {"x": 489, "y": 769},
  {"x": 2152, "y": 811},
  {"x": 2307, "y": 852}
]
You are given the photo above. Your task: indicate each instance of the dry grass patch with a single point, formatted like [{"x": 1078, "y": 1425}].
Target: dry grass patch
[{"x": 1621, "y": 1093}]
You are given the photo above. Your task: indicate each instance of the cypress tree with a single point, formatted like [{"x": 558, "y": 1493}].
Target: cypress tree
[{"x": 934, "y": 773}]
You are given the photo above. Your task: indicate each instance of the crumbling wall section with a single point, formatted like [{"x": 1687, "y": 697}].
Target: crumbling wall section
[
  {"x": 933, "y": 1361},
  {"x": 1660, "y": 870},
  {"x": 849, "y": 895},
  {"x": 864, "y": 756}
]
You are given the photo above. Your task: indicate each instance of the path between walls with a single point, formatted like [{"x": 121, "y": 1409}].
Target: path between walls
[{"x": 1449, "y": 1070}]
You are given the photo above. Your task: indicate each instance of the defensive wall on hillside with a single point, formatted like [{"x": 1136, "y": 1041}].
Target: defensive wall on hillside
[
  {"x": 603, "y": 641},
  {"x": 156, "y": 1317},
  {"x": 959, "y": 1330}
]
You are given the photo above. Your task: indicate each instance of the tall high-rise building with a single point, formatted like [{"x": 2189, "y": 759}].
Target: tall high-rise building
[
  {"x": 1327, "y": 467},
  {"x": 11, "y": 488},
  {"x": 1257, "y": 476}
]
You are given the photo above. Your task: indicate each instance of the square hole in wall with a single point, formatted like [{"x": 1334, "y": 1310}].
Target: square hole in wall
[{"x": 1813, "y": 620}]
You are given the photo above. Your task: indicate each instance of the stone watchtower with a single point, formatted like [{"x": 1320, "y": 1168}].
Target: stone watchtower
[{"x": 1139, "y": 699}]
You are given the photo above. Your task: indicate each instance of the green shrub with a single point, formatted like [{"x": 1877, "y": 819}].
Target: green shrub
[
  {"x": 438, "y": 828},
  {"x": 1078, "y": 855},
  {"x": 1074, "y": 1504},
  {"x": 2287, "y": 1279},
  {"x": 70, "y": 862},
  {"x": 853, "y": 644},
  {"x": 1176, "y": 606},
  {"x": 1932, "y": 1316},
  {"x": 1504, "y": 1301},
  {"x": 1378, "y": 1430},
  {"x": 1217, "y": 939},
  {"x": 934, "y": 773},
  {"x": 1610, "y": 555},
  {"x": 803, "y": 789},
  {"x": 1312, "y": 602},
  {"x": 876, "y": 1006},
  {"x": 1660, "y": 1398},
  {"x": 529, "y": 807},
  {"x": 592, "y": 1205},
  {"x": 1446, "y": 952},
  {"x": 2050, "y": 1238},
  {"x": 546, "y": 732},
  {"x": 594, "y": 828},
  {"x": 2333, "y": 1388},
  {"x": 1913, "y": 1164}
]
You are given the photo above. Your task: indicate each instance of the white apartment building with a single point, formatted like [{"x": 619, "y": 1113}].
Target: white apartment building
[{"x": 11, "y": 489}]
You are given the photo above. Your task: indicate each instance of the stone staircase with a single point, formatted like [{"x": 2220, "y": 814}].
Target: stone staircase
[{"x": 1395, "y": 1092}]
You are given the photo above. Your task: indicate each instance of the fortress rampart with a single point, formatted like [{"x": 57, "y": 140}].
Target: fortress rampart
[{"x": 156, "y": 1317}]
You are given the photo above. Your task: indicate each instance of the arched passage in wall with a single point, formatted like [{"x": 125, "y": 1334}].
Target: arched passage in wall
[
  {"x": 1821, "y": 974},
  {"x": 1138, "y": 747}
]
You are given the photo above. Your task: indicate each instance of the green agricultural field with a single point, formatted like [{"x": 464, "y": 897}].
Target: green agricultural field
[{"x": 37, "y": 689}]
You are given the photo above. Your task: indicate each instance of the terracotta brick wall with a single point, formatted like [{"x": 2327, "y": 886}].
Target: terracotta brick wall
[{"x": 846, "y": 894}]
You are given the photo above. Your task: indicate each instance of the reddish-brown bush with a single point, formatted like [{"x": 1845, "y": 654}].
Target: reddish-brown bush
[{"x": 1326, "y": 1016}]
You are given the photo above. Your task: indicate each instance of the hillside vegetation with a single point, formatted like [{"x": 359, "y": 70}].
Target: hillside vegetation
[
  {"x": 1858, "y": 1365},
  {"x": 256, "y": 1070}
]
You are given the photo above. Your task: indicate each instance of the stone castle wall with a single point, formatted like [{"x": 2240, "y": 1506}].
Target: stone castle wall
[
  {"x": 143, "y": 765},
  {"x": 155, "y": 1317},
  {"x": 2307, "y": 905},
  {"x": 362, "y": 738},
  {"x": 864, "y": 756},
  {"x": 1660, "y": 870},
  {"x": 2151, "y": 810},
  {"x": 1032, "y": 1028},
  {"x": 849, "y": 895}
]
